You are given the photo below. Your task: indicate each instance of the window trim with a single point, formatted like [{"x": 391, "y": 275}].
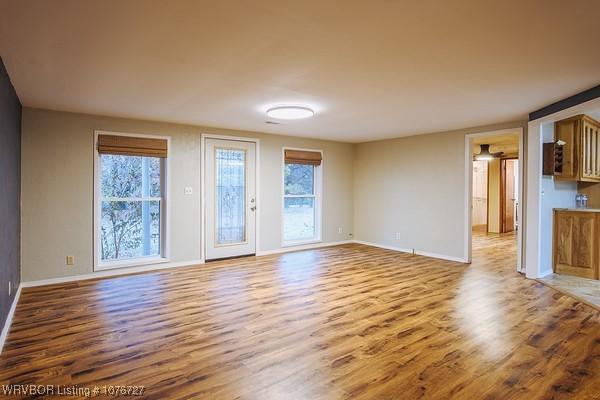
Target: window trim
[
  {"x": 163, "y": 257},
  {"x": 318, "y": 196}
]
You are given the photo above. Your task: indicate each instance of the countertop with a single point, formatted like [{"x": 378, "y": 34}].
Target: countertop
[{"x": 579, "y": 209}]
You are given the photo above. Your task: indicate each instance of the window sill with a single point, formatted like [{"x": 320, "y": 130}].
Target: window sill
[
  {"x": 130, "y": 263},
  {"x": 301, "y": 242}
]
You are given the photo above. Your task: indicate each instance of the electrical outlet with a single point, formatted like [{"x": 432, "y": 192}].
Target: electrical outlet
[
  {"x": 188, "y": 190},
  {"x": 70, "y": 260},
  {"x": 397, "y": 236},
  {"x": 340, "y": 231}
]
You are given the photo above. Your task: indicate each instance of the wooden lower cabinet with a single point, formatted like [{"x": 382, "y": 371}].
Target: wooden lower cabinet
[{"x": 576, "y": 246}]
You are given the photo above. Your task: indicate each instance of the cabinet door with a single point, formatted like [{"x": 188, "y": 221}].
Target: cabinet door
[
  {"x": 590, "y": 139},
  {"x": 584, "y": 155},
  {"x": 597, "y": 150},
  {"x": 591, "y": 130},
  {"x": 589, "y": 152},
  {"x": 593, "y": 153},
  {"x": 566, "y": 131},
  {"x": 575, "y": 237}
]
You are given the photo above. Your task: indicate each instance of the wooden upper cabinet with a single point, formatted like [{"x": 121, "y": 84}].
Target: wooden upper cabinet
[{"x": 581, "y": 152}]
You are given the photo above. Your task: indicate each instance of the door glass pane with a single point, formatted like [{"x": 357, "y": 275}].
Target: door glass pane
[
  {"x": 130, "y": 229},
  {"x": 299, "y": 179},
  {"x": 298, "y": 218},
  {"x": 230, "y": 182}
]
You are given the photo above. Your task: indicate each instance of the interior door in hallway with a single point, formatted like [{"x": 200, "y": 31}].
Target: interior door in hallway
[
  {"x": 230, "y": 195},
  {"x": 480, "y": 194},
  {"x": 509, "y": 194}
]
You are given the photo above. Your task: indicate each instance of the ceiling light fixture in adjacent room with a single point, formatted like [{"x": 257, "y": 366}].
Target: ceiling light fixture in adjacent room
[
  {"x": 290, "y": 112},
  {"x": 485, "y": 155}
]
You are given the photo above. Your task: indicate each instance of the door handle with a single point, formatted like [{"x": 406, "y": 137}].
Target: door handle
[{"x": 253, "y": 208}]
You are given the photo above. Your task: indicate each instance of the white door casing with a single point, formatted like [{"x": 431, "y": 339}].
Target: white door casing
[{"x": 230, "y": 196}]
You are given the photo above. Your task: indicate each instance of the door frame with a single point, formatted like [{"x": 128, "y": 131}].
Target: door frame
[
  {"x": 256, "y": 141},
  {"x": 468, "y": 201}
]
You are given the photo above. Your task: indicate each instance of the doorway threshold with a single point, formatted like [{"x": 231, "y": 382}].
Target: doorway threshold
[
  {"x": 231, "y": 258},
  {"x": 582, "y": 289}
]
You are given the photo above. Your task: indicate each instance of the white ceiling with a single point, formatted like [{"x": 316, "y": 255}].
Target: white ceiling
[{"x": 371, "y": 69}]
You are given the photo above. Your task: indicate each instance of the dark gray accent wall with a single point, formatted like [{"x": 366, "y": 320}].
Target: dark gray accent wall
[
  {"x": 10, "y": 192},
  {"x": 569, "y": 102}
]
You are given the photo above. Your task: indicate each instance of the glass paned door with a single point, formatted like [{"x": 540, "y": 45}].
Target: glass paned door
[
  {"x": 230, "y": 196},
  {"x": 230, "y": 208}
]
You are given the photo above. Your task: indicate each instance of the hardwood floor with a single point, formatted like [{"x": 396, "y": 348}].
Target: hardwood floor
[{"x": 347, "y": 322}]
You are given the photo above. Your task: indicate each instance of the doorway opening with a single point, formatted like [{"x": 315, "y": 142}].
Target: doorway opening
[{"x": 493, "y": 200}]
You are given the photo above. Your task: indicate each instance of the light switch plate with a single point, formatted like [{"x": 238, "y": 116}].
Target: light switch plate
[{"x": 188, "y": 190}]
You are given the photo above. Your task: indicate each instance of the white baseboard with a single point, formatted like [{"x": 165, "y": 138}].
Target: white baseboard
[
  {"x": 111, "y": 272},
  {"x": 418, "y": 252},
  {"x": 302, "y": 247},
  {"x": 542, "y": 274},
  {"x": 9, "y": 318},
  {"x": 156, "y": 267}
]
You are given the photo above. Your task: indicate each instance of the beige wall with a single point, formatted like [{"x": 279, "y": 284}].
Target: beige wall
[
  {"x": 57, "y": 192},
  {"x": 414, "y": 186}
]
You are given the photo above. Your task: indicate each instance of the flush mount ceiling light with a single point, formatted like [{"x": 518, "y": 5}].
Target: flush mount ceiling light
[
  {"x": 290, "y": 112},
  {"x": 485, "y": 155}
]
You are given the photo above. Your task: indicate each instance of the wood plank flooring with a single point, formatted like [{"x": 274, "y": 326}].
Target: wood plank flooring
[{"x": 346, "y": 322}]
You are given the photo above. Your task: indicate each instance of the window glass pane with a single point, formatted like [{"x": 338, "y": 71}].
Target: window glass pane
[
  {"x": 299, "y": 218},
  {"x": 130, "y": 229},
  {"x": 230, "y": 175},
  {"x": 299, "y": 179},
  {"x": 130, "y": 176},
  {"x": 153, "y": 168}
]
